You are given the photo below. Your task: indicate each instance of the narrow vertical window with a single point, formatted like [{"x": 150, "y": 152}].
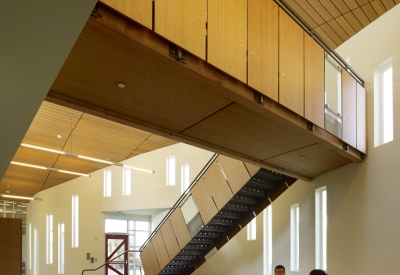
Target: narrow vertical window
[
  {"x": 107, "y": 183},
  {"x": 267, "y": 241},
  {"x": 30, "y": 246},
  {"x": 383, "y": 103},
  {"x": 170, "y": 170},
  {"x": 321, "y": 223},
  {"x": 35, "y": 252},
  {"x": 185, "y": 177},
  {"x": 75, "y": 220},
  {"x": 61, "y": 248},
  {"x": 252, "y": 230},
  {"x": 49, "y": 239},
  {"x": 126, "y": 186},
  {"x": 294, "y": 237}
]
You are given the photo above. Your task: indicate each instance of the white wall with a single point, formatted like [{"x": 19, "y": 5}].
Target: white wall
[
  {"x": 363, "y": 199},
  {"x": 149, "y": 191}
]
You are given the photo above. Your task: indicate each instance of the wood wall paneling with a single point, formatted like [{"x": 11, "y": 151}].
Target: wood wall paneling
[
  {"x": 252, "y": 169},
  {"x": 204, "y": 201},
  {"x": 219, "y": 188},
  {"x": 10, "y": 246},
  {"x": 160, "y": 249},
  {"x": 139, "y": 10},
  {"x": 184, "y": 23},
  {"x": 361, "y": 119},
  {"x": 235, "y": 172},
  {"x": 349, "y": 103},
  {"x": 169, "y": 239},
  {"x": 227, "y": 36},
  {"x": 149, "y": 260},
  {"x": 291, "y": 64},
  {"x": 314, "y": 83},
  {"x": 263, "y": 47},
  {"x": 180, "y": 228}
]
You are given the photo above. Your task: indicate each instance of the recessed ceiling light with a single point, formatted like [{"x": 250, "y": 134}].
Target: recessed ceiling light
[
  {"x": 59, "y": 136},
  {"x": 7, "y": 191},
  {"x": 302, "y": 157},
  {"x": 121, "y": 85}
]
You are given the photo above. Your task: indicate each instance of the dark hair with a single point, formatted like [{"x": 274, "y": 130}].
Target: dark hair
[
  {"x": 280, "y": 266},
  {"x": 318, "y": 272}
]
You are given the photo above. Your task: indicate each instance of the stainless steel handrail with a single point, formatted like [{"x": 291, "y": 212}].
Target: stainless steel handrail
[
  {"x": 184, "y": 196},
  {"x": 111, "y": 261},
  {"x": 336, "y": 114}
]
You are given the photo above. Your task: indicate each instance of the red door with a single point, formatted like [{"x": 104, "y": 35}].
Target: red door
[{"x": 116, "y": 245}]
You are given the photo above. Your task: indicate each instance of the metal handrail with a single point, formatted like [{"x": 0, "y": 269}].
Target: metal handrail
[
  {"x": 83, "y": 271},
  {"x": 318, "y": 39},
  {"x": 336, "y": 114},
  {"x": 184, "y": 196}
]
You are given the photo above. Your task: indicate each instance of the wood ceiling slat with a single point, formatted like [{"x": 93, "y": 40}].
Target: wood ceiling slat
[
  {"x": 329, "y": 6},
  {"x": 152, "y": 143},
  {"x": 361, "y": 17},
  {"x": 378, "y": 7},
  {"x": 369, "y": 12},
  {"x": 315, "y": 16},
  {"x": 353, "y": 21},
  {"x": 397, "y": 1},
  {"x": 35, "y": 157},
  {"x": 321, "y": 10},
  {"x": 352, "y": 4},
  {"x": 338, "y": 29},
  {"x": 341, "y": 6},
  {"x": 79, "y": 165},
  {"x": 362, "y": 2},
  {"x": 332, "y": 34},
  {"x": 346, "y": 26},
  {"x": 302, "y": 13},
  {"x": 388, "y": 4},
  {"x": 325, "y": 37}
]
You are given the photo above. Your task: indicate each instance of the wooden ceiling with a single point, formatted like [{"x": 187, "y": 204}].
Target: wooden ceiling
[
  {"x": 82, "y": 134},
  {"x": 337, "y": 20}
]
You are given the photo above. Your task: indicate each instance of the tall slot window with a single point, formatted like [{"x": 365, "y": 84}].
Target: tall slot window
[
  {"x": 35, "y": 252},
  {"x": 75, "y": 220},
  {"x": 30, "y": 246},
  {"x": 127, "y": 182},
  {"x": 383, "y": 87},
  {"x": 107, "y": 183},
  {"x": 267, "y": 241},
  {"x": 61, "y": 248},
  {"x": 185, "y": 177},
  {"x": 294, "y": 237},
  {"x": 170, "y": 170},
  {"x": 252, "y": 230},
  {"x": 49, "y": 238},
  {"x": 321, "y": 223}
]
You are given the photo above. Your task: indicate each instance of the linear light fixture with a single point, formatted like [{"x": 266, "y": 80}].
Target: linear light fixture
[
  {"x": 21, "y": 197},
  {"x": 49, "y": 168},
  {"x": 71, "y": 154}
]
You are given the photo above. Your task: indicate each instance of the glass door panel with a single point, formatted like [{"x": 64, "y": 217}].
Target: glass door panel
[{"x": 116, "y": 245}]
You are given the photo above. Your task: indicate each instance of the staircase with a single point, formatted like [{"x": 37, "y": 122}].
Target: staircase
[{"x": 223, "y": 199}]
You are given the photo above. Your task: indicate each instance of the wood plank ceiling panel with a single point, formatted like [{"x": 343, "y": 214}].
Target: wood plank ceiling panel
[
  {"x": 361, "y": 17},
  {"x": 369, "y": 12},
  {"x": 121, "y": 59},
  {"x": 388, "y": 4},
  {"x": 378, "y": 7},
  {"x": 325, "y": 37},
  {"x": 341, "y": 5},
  {"x": 310, "y": 11},
  {"x": 332, "y": 34},
  {"x": 353, "y": 21},
  {"x": 331, "y": 8},
  {"x": 345, "y": 25},
  {"x": 339, "y": 30},
  {"x": 352, "y": 4},
  {"x": 304, "y": 15},
  {"x": 153, "y": 142},
  {"x": 241, "y": 128},
  {"x": 35, "y": 157}
]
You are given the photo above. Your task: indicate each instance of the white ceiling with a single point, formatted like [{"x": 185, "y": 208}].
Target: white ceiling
[{"x": 36, "y": 38}]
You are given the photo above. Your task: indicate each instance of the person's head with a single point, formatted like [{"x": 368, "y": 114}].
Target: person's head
[
  {"x": 318, "y": 272},
  {"x": 279, "y": 270}
]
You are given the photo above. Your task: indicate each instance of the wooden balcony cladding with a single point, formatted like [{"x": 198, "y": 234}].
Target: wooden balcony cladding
[
  {"x": 11, "y": 246},
  {"x": 349, "y": 103},
  {"x": 291, "y": 64},
  {"x": 235, "y": 172},
  {"x": 314, "y": 83},
  {"x": 227, "y": 36},
  {"x": 149, "y": 260},
  {"x": 170, "y": 239},
  {"x": 183, "y": 23},
  {"x": 160, "y": 250},
  {"x": 361, "y": 119},
  {"x": 204, "y": 201},
  {"x": 139, "y": 10},
  {"x": 180, "y": 228},
  {"x": 263, "y": 47}
]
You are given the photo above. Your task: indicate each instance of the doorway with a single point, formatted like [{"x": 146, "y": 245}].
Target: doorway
[{"x": 116, "y": 245}]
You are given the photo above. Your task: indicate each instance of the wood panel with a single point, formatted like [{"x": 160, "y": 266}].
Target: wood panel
[
  {"x": 184, "y": 23},
  {"x": 293, "y": 5},
  {"x": 369, "y": 12},
  {"x": 160, "y": 250},
  {"x": 152, "y": 142},
  {"x": 291, "y": 64},
  {"x": 216, "y": 183},
  {"x": 361, "y": 17},
  {"x": 170, "y": 240},
  {"x": 263, "y": 47},
  {"x": 378, "y": 7},
  {"x": 149, "y": 260},
  {"x": 361, "y": 119},
  {"x": 338, "y": 29},
  {"x": 204, "y": 202},
  {"x": 314, "y": 81},
  {"x": 345, "y": 25},
  {"x": 180, "y": 228},
  {"x": 235, "y": 172},
  {"x": 10, "y": 246},
  {"x": 139, "y": 10},
  {"x": 349, "y": 103},
  {"x": 227, "y": 36},
  {"x": 252, "y": 169}
]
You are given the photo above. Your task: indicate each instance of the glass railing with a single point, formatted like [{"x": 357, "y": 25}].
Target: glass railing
[{"x": 333, "y": 96}]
